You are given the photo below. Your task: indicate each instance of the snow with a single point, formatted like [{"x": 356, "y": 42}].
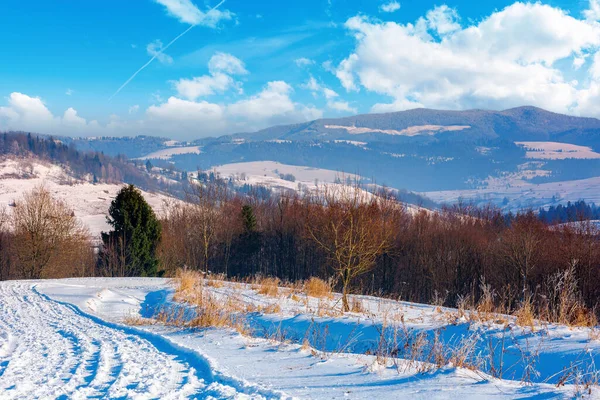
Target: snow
[
  {"x": 410, "y": 131},
  {"x": 66, "y": 338},
  {"x": 522, "y": 194},
  {"x": 90, "y": 202},
  {"x": 272, "y": 169},
  {"x": 166, "y": 154},
  {"x": 57, "y": 350},
  {"x": 557, "y": 151}
]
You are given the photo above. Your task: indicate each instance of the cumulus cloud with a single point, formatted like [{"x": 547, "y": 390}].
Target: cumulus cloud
[
  {"x": 219, "y": 80},
  {"x": 593, "y": 13},
  {"x": 155, "y": 49},
  {"x": 27, "y": 113},
  {"x": 187, "y": 12},
  {"x": 223, "y": 62},
  {"x": 390, "y": 7},
  {"x": 507, "y": 59},
  {"x": 175, "y": 117}
]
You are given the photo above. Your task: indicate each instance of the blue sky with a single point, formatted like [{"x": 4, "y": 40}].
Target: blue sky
[{"x": 249, "y": 65}]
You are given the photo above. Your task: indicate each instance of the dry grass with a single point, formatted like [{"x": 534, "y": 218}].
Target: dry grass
[
  {"x": 216, "y": 281},
  {"x": 136, "y": 320},
  {"x": 319, "y": 288},
  {"x": 269, "y": 287},
  {"x": 525, "y": 314},
  {"x": 187, "y": 282},
  {"x": 356, "y": 305}
]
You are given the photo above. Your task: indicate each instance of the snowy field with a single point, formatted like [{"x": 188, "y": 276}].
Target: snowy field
[
  {"x": 524, "y": 195},
  {"x": 67, "y": 339},
  {"x": 410, "y": 131},
  {"x": 166, "y": 154},
  {"x": 557, "y": 151}
]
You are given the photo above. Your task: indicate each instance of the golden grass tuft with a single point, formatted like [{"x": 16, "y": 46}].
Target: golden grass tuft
[
  {"x": 136, "y": 320},
  {"x": 269, "y": 287},
  {"x": 319, "y": 288},
  {"x": 525, "y": 314},
  {"x": 187, "y": 282}
]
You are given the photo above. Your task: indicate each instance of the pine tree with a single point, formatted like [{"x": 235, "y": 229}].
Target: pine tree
[
  {"x": 248, "y": 219},
  {"x": 149, "y": 166},
  {"x": 135, "y": 235}
]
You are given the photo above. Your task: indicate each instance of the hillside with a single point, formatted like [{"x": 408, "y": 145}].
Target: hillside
[
  {"x": 467, "y": 154},
  {"x": 89, "y": 201}
]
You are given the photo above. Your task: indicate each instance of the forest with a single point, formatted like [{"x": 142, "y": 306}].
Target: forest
[{"x": 358, "y": 241}]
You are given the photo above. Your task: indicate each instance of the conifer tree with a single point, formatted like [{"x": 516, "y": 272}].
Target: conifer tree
[{"x": 135, "y": 235}]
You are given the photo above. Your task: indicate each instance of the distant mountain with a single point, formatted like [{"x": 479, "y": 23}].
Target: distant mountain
[
  {"x": 489, "y": 153},
  {"x": 516, "y": 124}
]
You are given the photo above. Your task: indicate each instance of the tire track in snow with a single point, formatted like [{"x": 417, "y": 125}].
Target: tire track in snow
[{"x": 53, "y": 349}]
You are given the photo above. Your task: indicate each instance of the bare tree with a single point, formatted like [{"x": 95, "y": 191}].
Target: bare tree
[
  {"x": 349, "y": 226},
  {"x": 48, "y": 237},
  {"x": 521, "y": 246},
  {"x": 207, "y": 199}
]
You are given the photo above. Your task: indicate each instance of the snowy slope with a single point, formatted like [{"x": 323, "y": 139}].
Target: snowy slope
[
  {"x": 89, "y": 201},
  {"x": 66, "y": 338}
]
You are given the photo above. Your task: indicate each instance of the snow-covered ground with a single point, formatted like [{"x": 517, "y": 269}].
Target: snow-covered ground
[
  {"x": 522, "y": 194},
  {"x": 273, "y": 169},
  {"x": 66, "y": 339},
  {"x": 166, "y": 154},
  {"x": 268, "y": 174},
  {"x": 90, "y": 202},
  {"x": 557, "y": 151},
  {"x": 410, "y": 131}
]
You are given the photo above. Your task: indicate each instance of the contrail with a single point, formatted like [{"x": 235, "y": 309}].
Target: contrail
[{"x": 158, "y": 53}]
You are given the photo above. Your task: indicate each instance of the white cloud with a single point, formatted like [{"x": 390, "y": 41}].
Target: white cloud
[
  {"x": 443, "y": 20},
  {"x": 303, "y": 62},
  {"x": 187, "y": 12},
  {"x": 578, "y": 62},
  {"x": 203, "y": 85},
  {"x": 593, "y": 13},
  {"x": 155, "y": 48},
  {"x": 69, "y": 92},
  {"x": 224, "y": 62},
  {"x": 176, "y": 117},
  {"x": 330, "y": 95},
  {"x": 220, "y": 66},
  {"x": 390, "y": 7},
  {"x": 28, "y": 113},
  {"x": 341, "y": 106},
  {"x": 312, "y": 85},
  {"x": 507, "y": 59}
]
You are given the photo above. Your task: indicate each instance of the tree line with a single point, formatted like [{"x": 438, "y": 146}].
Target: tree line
[
  {"x": 362, "y": 242},
  {"x": 91, "y": 166}
]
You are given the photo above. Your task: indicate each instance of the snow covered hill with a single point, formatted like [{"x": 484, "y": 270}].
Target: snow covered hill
[
  {"x": 89, "y": 201},
  {"x": 67, "y": 339}
]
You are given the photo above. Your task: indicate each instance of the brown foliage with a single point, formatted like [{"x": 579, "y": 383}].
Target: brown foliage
[{"x": 48, "y": 241}]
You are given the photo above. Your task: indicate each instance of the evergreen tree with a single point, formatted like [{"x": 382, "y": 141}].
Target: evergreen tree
[
  {"x": 149, "y": 166},
  {"x": 248, "y": 243},
  {"x": 136, "y": 233},
  {"x": 248, "y": 219}
]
